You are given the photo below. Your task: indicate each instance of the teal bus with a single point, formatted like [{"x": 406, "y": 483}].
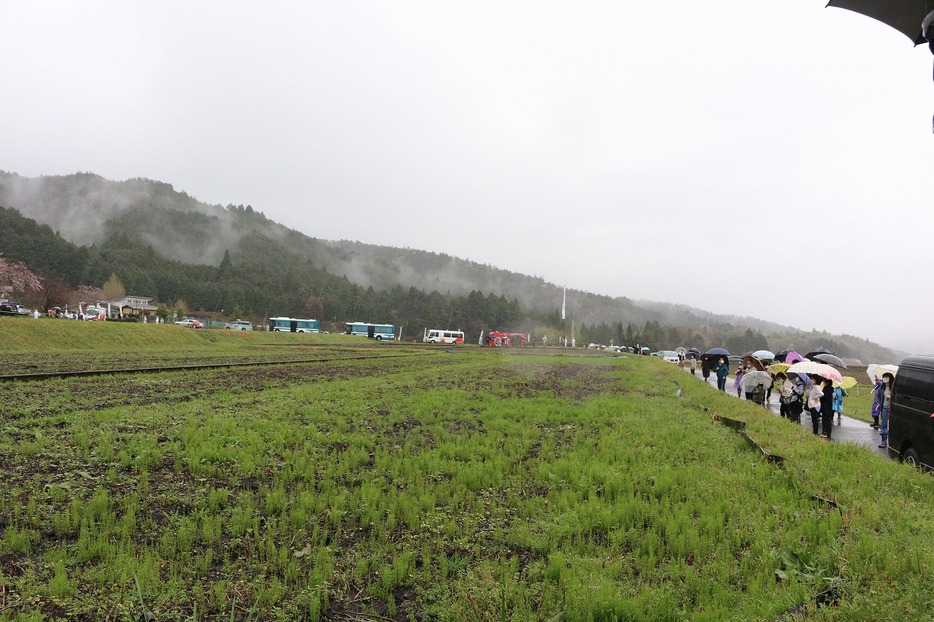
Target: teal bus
[
  {"x": 293, "y": 325},
  {"x": 379, "y": 332}
]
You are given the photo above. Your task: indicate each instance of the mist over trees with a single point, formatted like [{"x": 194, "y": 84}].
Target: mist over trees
[{"x": 234, "y": 262}]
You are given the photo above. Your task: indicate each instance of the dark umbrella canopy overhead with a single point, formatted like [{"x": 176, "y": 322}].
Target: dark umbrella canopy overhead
[
  {"x": 830, "y": 359},
  {"x": 717, "y": 352},
  {"x": 780, "y": 357},
  {"x": 905, "y": 16}
]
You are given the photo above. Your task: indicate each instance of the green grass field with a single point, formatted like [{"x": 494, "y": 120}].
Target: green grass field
[{"x": 435, "y": 484}]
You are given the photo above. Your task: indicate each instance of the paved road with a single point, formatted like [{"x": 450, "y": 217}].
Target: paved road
[{"x": 848, "y": 430}]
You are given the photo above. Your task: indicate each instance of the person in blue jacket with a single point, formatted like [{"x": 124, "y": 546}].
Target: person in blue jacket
[
  {"x": 722, "y": 369},
  {"x": 838, "y": 395}
]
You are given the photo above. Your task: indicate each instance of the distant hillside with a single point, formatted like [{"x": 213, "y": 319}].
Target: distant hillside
[
  {"x": 88, "y": 210},
  {"x": 85, "y": 209}
]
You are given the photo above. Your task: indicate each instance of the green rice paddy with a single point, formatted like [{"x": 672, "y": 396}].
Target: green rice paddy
[{"x": 442, "y": 484}]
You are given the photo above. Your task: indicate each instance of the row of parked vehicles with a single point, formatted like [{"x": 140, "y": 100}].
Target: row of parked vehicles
[
  {"x": 190, "y": 322},
  {"x": 11, "y": 307}
]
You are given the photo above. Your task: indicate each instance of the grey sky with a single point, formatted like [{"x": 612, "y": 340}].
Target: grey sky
[{"x": 770, "y": 159}]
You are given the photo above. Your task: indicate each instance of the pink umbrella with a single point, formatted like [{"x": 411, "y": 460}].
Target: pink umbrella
[
  {"x": 820, "y": 369},
  {"x": 793, "y": 357}
]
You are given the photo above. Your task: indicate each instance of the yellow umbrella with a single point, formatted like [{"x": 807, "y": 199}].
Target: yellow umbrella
[
  {"x": 848, "y": 383},
  {"x": 777, "y": 368}
]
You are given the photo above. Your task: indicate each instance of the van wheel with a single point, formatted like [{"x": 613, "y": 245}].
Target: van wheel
[{"x": 911, "y": 457}]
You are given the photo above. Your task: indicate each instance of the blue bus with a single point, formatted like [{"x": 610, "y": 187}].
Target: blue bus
[
  {"x": 379, "y": 332},
  {"x": 293, "y": 325}
]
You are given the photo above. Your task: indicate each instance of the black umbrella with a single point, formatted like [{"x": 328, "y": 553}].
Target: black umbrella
[
  {"x": 780, "y": 356},
  {"x": 905, "y": 16},
  {"x": 826, "y": 357},
  {"x": 717, "y": 352}
]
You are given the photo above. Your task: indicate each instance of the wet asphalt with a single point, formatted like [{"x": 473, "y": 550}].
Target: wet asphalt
[{"x": 847, "y": 430}]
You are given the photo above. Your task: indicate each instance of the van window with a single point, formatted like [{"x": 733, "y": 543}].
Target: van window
[{"x": 915, "y": 383}]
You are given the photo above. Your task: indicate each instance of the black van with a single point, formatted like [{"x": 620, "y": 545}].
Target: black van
[{"x": 911, "y": 418}]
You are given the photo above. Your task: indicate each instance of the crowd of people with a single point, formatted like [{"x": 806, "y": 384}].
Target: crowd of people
[{"x": 798, "y": 393}]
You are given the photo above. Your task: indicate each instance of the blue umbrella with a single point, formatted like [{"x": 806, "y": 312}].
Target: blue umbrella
[{"x": 717, "y": 352}]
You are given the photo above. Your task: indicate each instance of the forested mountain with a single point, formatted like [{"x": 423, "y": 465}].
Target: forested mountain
[{"x": 166, "y": 244}]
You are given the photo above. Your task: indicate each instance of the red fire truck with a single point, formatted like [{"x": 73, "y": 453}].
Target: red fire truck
[{"x": 499, "y": 338}]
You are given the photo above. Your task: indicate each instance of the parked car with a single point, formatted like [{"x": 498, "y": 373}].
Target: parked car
[
  {"x": 669, "y": 355},
  {"x": 190, "y": 323},
  {"x": 911, "y": 416},
  {"x": 239, "y": 325}
]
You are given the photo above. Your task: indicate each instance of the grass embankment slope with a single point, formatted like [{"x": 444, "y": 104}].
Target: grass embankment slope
[
  {"x": 45, "y": 334},
  {"x": 462, "y": 484}
]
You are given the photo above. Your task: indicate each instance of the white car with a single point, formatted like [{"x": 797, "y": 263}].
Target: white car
[
  {"x": 669, "y": 355},
  {"x": 239, "y": 325}
]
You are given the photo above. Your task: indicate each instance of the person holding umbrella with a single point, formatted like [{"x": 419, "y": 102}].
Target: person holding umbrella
[
  {"x": 815, "y": 395},
  {"x": 826, "y": 408},
  {"x": 722, "y": 370},
  {"x": 878, "y": 391},
  {"x": 738, "y": 381},
  {"x": 796, "y": 401},
  {"x": 838, "y": 394},
  {"x": 785, "y": 389},
  {"x": 887, "y": 381}
]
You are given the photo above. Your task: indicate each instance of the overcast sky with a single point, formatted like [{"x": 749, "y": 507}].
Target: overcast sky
[{"x": 771, "y": 159}]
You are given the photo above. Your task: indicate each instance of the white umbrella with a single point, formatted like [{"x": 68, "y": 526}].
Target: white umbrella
[
  {"x": 753, "y": 378},
  {"x": 875, "y": 371},
  {"x": 764, "y": 354},
  {"x": 821, "y": 369}
]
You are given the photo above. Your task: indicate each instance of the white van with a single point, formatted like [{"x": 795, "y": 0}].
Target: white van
[{"x": 435, "y": 335}]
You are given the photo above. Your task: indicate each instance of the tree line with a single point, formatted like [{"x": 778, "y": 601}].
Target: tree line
[{"x": 261, "y": 277}]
